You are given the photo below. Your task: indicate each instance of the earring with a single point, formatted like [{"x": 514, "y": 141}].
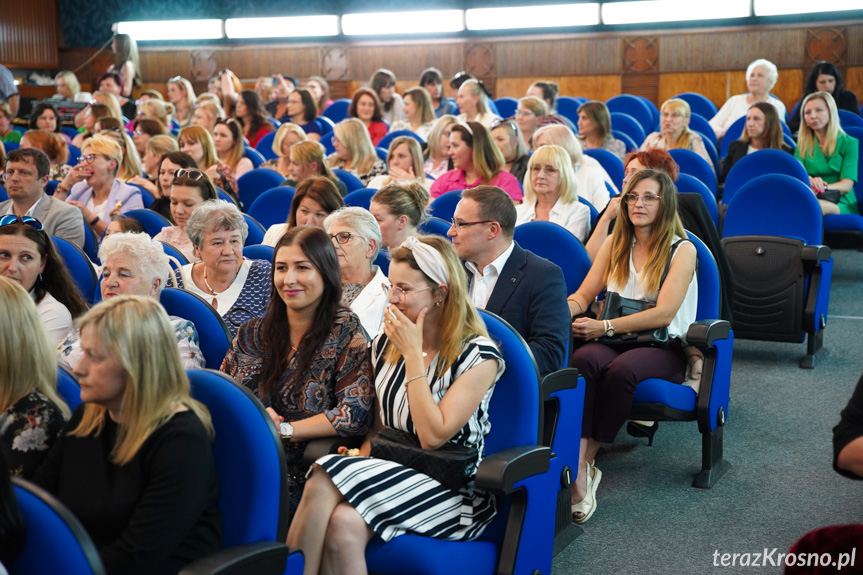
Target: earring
[
  {"x": 437, "y": 304},
  {"x": 40, "y": 278}
]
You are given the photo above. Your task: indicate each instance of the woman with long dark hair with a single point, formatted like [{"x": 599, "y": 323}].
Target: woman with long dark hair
[
  {"x": 825, "y": 77},
  {"x": 253, "y": 117}
]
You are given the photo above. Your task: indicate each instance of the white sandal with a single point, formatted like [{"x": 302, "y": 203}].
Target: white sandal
[{"x": 587, "y": 506}]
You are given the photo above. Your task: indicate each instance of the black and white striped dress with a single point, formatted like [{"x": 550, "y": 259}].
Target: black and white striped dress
[{"x": 394, "y": 499}]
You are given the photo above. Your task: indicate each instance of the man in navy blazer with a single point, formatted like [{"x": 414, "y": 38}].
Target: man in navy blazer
[{"x": 524, "y": 289}]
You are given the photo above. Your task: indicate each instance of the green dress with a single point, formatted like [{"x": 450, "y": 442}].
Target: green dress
[{"x": 841, "y": 165}]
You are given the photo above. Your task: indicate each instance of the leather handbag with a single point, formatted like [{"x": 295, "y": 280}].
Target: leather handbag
[
  {"x": 832, "y": 196},
  {"x": 451, "y": 465}
]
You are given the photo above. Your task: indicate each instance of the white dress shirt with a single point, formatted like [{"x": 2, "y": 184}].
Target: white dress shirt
[
  {"x": 483, "y": 284},
  {"x": 29, "y": 212},
  {"x": 573, "y": 216}
]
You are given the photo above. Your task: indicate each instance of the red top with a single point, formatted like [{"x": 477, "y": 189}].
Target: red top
[
  {"x": 256, "y": 137},
  {"x": 377, "y": 130}
]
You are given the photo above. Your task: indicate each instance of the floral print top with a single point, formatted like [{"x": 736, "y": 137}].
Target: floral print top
[{"x": 28, "y": 429}]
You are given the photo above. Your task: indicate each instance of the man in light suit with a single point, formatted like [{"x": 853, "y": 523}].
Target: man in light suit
[
  {"x": 26, "y": 176},
  {"x": 524, "y": 289}
]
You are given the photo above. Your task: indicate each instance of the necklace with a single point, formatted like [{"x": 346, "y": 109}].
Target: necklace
[{"x": 214, "y": 292}]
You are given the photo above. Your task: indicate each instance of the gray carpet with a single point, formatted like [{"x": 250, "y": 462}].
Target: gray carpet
[{"x": 778, "y": 440}]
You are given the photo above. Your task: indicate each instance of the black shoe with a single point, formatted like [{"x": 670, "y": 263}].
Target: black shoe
[{"x": 636, "y": 429}]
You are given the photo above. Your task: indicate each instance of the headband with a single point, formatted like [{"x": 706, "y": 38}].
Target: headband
[{"x": 429, "y": 260}]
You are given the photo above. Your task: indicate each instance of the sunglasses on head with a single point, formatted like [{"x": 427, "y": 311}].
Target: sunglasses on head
[
  {"x": 193, "y": 175},
  {"x": 9, "y": 219}
]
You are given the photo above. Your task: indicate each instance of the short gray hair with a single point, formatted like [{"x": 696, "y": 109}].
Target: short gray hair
[
  {"x": 149, "y": 257},
  {"x": 769, "y": 67},
  {"x": 214, "y": 215},
  {"x": 361, "y": 221}
]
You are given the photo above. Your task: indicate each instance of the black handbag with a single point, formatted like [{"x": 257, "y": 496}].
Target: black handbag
[
  {"x": 453, "y": 466},
  {"x": 832, "y": 196},
  {"x": 617, "y": 306}
]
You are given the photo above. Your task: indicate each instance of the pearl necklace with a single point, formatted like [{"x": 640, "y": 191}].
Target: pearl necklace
[{"x": 214, "y": 292}]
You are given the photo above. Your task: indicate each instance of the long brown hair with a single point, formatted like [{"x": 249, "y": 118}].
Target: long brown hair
[
  {"x": 320, "y": 189},
  {"x": 772, "y": 126}
]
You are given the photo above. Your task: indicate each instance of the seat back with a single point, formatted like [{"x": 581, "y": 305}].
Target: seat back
[
  {"x": 435, "y": 227},
  {"x": 173, "y": 252},
  {"x": 383, "y": 261},
  {"x": 256, "y": 231},
  {"x": 856, "y": 132},
  {"x": 326, "y": 125},
  {"x": 91, "y": 244},
  {"x": 350, "y": 181},
  {"x": 273, "y": 206},
  {"x": 761, "y": 163},
  {"x": 687, "y": 184},
  {"x": 151, "y": 221},
  {"x": 387, "y": 140},
  {"x": 254, "y": 183},
  {"x": 255, "y": 156},
  {"x": 265, "y": 146},
  {"x": 68, "y": 388},
  {"x": 567, "y": 106},
  {"x": 709, "y": 284},
  {"x": 56, "y": 541},
  {"x": 848, "y": 119},
  {"x": 79, "y": 267},
  {"x": 250, "y": 460},
  {"x": 443, "y": 206},
  {"x": 381, "y": 153},
  {"x": 635, "y": 107},
  {"x": 338, "y": 110},
  {"x": 558, "y": 245},
  {"x": 694, "y": 165},
  {"x": 506, "y": 106},
  {"x": 259, "y": 252},
  {"x": 631, "y": 146},
  {"x": 612, "y": 165},
  {"x": 361, "y": 198},
  {"x": 699, "y": 104},
  {"x": 702, "y": 126},
  {"x": 594, "y": 215},
  {"x": 213, "y": 334},
  {"x": 628, "y": 125}
]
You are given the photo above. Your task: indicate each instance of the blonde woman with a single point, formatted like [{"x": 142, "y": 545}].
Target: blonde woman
[
  {"x": 355, "y": 152},
  {"x": 130, "y": 165},
  {"x": 287, "y": 135},
  {"x": 590, "y": 177},
  {"x": 140, "y": 432},
  {"x": 198, "y": 143},
  {"x": 228, "y": 141},
  {"x": 419, "y": 113},
  {"x": 69, "y": 88},
  {"x": 32, "y": 414},
  {"x": 529, "y": 115},
  {"x": 550, "y": 193},
  {"x": 182, "y": 95},
  {"x": 472, "y": 101},
  {"x": 405, "y": 164},
  {"x": 308, "y": 160},
  {"x": 437, "y": 162},
  {"x": 207, "y": 112},
  {"x": 99, "y": 97},
  {"x": 674, "y": 116},
  {"x": 157, "y": 110},
  {"x": 828, "y": 153}
]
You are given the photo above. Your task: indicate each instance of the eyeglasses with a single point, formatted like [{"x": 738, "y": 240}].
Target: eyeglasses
[
  {"x": 462, "y": 225},
  {"x": 9, "y": 219},
  {"x": 647, "y": 199},
  {"x": 343, "y": 237},
  {"x": 136, "y": 132},
  {"x": 524, "y": 113},
  {"x": 193, "y": 175},
  {"x": 335, "y": 140},
  {"x": 670, "y": 116},
  {"x": 88, "y": 159},
  {"x": 401, "y": 294}
]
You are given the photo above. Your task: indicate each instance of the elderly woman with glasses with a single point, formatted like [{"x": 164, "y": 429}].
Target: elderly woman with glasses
[
  {"x": 93, "y": 187},
  {"x": 357, "y": 239},
  {"x": 189, "y": 189},
  {"x": 235, "y": 286},
  {"x": 675, "y": 133},
  {"x": 136, "y": 265}
]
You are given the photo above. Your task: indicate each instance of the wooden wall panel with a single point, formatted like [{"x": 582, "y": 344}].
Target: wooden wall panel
[
  {"x": 854, "y": 80},
  {"x": 28, "y": 34},
  {"x": 719, "y": 86},
  {"x": 559, "y": 56},
  {"x": 591, "y": 87},
  {"x": 854, "y": 41},
  {"x": 729, "y": 50}
]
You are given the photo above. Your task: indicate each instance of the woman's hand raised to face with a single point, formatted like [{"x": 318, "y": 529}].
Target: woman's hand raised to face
[{"x": 406, "y": 335}]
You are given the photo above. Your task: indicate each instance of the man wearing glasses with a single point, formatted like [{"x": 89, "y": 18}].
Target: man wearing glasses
[
  {"x": 26, "y": 176},
  {"x": 524, "y": 289}
]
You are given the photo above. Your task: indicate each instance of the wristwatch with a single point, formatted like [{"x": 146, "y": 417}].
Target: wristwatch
[
  {"x": 286, "y": 430},
  {"x": 609, "y": 329}
]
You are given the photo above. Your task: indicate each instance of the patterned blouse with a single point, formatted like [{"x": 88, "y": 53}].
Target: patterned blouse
[
  {"x": 28, "y": 429},
  {"x": 377, "y": 169},
  {"x": 339, "y": 383}
]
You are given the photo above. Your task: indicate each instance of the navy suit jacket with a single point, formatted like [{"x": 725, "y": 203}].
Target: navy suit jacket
[{"x": 530, "y": 295}]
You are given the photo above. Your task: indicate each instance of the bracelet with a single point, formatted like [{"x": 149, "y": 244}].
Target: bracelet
[
  {"x": 96, "y": 219},
  {"x": 413, "y": 378},
  {"x": 580, "y": 309},
  {"x": 63, "y": 189}
]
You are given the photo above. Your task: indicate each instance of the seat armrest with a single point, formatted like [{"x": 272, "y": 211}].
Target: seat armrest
[
  {"x": 703, "y": 333},
  {"x": 813, "y": 254},
  {"x": 263, "y": 557},
  {"x": 317, "y": 448},
  {"x": 502, "y": 470},
  {"x": 566, "y": 378}
]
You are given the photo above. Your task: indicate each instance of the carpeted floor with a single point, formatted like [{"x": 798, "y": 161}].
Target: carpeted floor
[{"x": 778, "y": 440}]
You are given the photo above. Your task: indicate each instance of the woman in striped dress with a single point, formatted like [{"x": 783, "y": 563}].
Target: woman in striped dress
[{"x": 437, "y": 388}]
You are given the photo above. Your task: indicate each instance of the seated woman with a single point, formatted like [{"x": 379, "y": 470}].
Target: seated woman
[
  {"x": 133, "y": 264},
  {"x": 432, "y": 80},
  {"x": 286, "y": 136},
  {"x": 437, "y": 150},
  {"x": 529, "y": 116},
  {"x": 646, "y": 242},
  {"x": 302, "y": 112},
  {"x": 307, "y": 159},
  {"x": 53, "y": 146},
  {"x": 314, "y": 199},
  {"x": 674, "y": 120},
  {"x": 277, "y": 107},
  {"x": 252, "y": 117},
  {"x": 590, "y": 176},
  {"x": 198, "y": 143},
  {"x": 357, "y": 239},
  {"x": 45, "y": 117},
  {"x": 32, "y": 414},
  {"x": 355, "y": 152},
  {"x": 181, "y": 94},
  {"x": 761, "y": 76},
  {"x": 135, "y": 463},
  {"x": 828, "y": 154},
  {"x": 92, "y": 185},
  {"x": 69, "y": 88},
  {"x": 472, "y": 101},
  {"x": 7, "y": 133},
  {"x": 434, "y": 340},
  {"x": 206, "y": 114},
  {"x": 550, "y": 193},
  {"x": 233, "y": 163},
  {"x": 366, "y": 107},
  {"x": 399, "y": 208},
  {"x": 419, "y": 113},
  {"x": 122, "y": 225},
  {"x": 92, "y": 114},
  {"x": 146, "y": 128},
  {"x": 762, "y": 130},
  {"x": 320, "y": 90},
  {"x": 476, "y": 160},
  {"x": 594, "y": 129},
  {"x": 189, "y": 189},
  {"x": 507, "y": 137},
  {"x": 168, "y": 165},
  {"x": 156, "y": 109},
  {"x": 156, "y": 148},
  {"x": 235, "y": 286},
  {"x": 307, "y": 358},
  {"x": 404, "y": 163},
  {"x": 825, "y": 77},
  {"x": 383, "y": 84},
  {"x": 548, "y": 91},
  {"x": 130, "y": 164},
  {"x": 105, "y": 99}
]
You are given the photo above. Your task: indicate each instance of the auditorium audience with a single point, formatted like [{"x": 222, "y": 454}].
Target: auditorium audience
[
  {"x": 476, "y": 160},
  {"x": 594, "y": 129},
  {"x": 135, "y": 462},
  {"x": 366, "y": 107},
  {"x": 419, "y": 113},
  {"x": 824, "y": 77},
  {"x": 432, "y": 80},
  {"x": 307, "y": 358},
  {"x": 32, "y": 413},
  {"x": 182, "y": 95},
  {"x": 383, "y": 83},
  {"x": 123, "y": 225},
  {"x": 133, "y": 264},
  {"x": 156, "y": 109},
  {"x": 302, "y": 111},
  {"x": 404, "y": 164},
  {"x": 761, "y": 76},
  {"x": 252, "y": 117},
  {"x": 92, "y": 114},
  {"x": 130, "y": 162},
  {"x": 106, "y": 99},
  {"x": 645, "y": 239},
  {"x": 355, "y": 152},
  {"x": 286, "y": 136},
  {"x": 399, "y": 208},
  {"x": 437, "y": 160},
  {"x": 278, "y": 108},
  {"x": 315, "y": 198},
  {"x": 762, "y": 130},
  {"x": 52, "y": 145},
  {"x": 320, "y": 91},
  {"x": 435, "y": 340},
  {"x": 307, "y": 160},
  {"x": 674, "y": 117},
  {"x": 189, "y": 189},
  {"x": 111, "y": 83},
  {"x": 235, "y": 286},
  {"x": 472, "y": 102},
  {"x": 828, "y": 154},
  {"x": 69, "y": 88},
  {"x": 357, "y": 239},
  {"x": 509, "y": 140}
]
